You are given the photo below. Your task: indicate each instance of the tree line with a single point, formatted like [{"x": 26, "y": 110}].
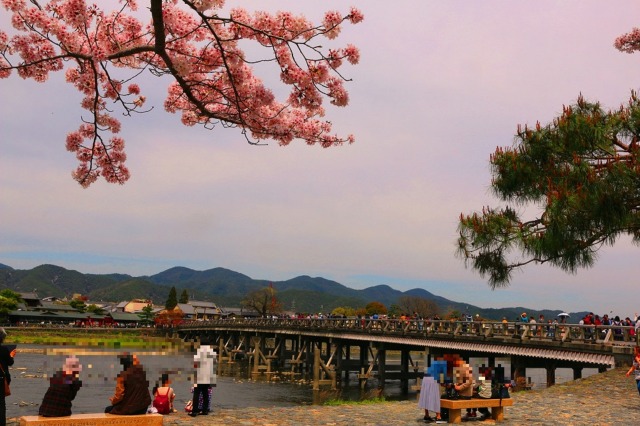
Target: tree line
[{"x": 264, "y": 302}]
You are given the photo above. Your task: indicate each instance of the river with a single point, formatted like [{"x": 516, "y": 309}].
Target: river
[
  {"x": 100, "y": 367},
  {"x": 32, "y": 368}
]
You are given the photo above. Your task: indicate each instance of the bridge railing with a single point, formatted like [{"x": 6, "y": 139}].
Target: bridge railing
[{"x": 603, "y": 334}]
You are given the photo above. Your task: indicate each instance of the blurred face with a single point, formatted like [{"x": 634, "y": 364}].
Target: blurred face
[
  {"x": 72, "y": 366},
  {"x": 73, "y": 370}
]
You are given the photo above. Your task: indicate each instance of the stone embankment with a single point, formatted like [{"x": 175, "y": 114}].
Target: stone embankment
[{"x": 603, "y": 399}]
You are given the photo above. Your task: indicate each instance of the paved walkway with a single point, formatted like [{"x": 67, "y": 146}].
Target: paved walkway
[{"x": 603, "y": 399}]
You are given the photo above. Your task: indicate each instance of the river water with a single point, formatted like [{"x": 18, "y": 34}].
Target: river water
[{"x": 32, "y": 368}]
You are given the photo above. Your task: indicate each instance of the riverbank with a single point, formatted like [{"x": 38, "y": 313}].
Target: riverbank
[
  {"x": 113, "y": 338},
  {"x": 14, "y": 332},
  {"x": 604, "y": 399}
]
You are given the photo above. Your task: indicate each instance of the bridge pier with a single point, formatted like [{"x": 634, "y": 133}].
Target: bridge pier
[
  {"x": 298, "y": 357},
  {"x": 551, "y": 373},
  {"x": 518, "y": 371},
  {"x": 382, "y": 366},
  {"x": 339, "y": 361},
  {"x": 344, "y": 364},
  {"x": 365, "y": 368},
  {"x": 308, "y": 359},
  {"x": 323, "y": 374},
  {"x": 261, "y": 360},
  {"x": 577, "y": 373},
  {"x": 404, "y": 371}
]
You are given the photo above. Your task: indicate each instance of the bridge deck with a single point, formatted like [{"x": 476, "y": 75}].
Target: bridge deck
[{"x": 597, "y": 345}]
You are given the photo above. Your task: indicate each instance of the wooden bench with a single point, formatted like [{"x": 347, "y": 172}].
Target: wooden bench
[
  {"x": 95, "y": 419},
  {"x": 455, "y": 407}
]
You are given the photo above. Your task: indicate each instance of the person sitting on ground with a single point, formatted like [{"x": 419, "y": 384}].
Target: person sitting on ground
[
  {"x": 163, "y": 396},
  {"x": 63, "y": 387},
  {"x": 132, "y": 388}
]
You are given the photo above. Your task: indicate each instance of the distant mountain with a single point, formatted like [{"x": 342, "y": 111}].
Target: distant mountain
[
  {"x": 51, "y": 280},
  {"x": 315, "y": 301},
  {"x": 227, "y": 288},
  {"x": 221, "y": 285},
  {"x": 132, "y": 288},
  {"x": 323, "y": 285},
  {"x": 199, "y": 278}
]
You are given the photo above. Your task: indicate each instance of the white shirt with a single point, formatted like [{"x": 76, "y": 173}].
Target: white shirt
[{"x": 206, "y": 360}]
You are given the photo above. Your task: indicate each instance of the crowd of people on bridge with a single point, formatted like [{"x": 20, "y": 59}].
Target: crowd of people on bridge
[
  {"x": 548, "y": 327},
  {"x": 596, "y": 320}
]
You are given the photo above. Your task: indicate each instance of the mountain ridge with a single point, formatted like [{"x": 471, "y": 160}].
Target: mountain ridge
[{"x": 227, "y": 288}]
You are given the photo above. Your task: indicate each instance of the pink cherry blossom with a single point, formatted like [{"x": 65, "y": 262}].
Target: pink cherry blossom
[
  {"x": 355, "y": 16},
  {"x": 629, "y": 42},
  {"x": 352, "y": 54},
  {"x": 213, "y": 79},
  {"x": 134, "y": 89},
  {"x": 332, "y": 20},
  {"x": 74, "y": 140}
]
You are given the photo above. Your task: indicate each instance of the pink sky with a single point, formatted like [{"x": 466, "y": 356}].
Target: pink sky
[{"x": 439, "y": 86}]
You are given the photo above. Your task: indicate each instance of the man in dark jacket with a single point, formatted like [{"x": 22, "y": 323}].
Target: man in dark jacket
[
  {"x": 63, "y": 387},
  {"x": 6, "y": 360},
  {"x": 132, "y": 388}
]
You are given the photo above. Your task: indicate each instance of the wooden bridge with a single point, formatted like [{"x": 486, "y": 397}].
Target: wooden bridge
[{"x": 325, "y": 350}]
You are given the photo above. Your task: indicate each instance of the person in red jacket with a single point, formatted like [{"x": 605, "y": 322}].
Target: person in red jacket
[{"x": 588, "y": 331}]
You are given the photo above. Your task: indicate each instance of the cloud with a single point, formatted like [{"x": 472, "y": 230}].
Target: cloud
[{"x": 440, "y": 85}]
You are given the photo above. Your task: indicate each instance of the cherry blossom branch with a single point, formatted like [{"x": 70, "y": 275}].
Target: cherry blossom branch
[{"x": 212, "y": 79}]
